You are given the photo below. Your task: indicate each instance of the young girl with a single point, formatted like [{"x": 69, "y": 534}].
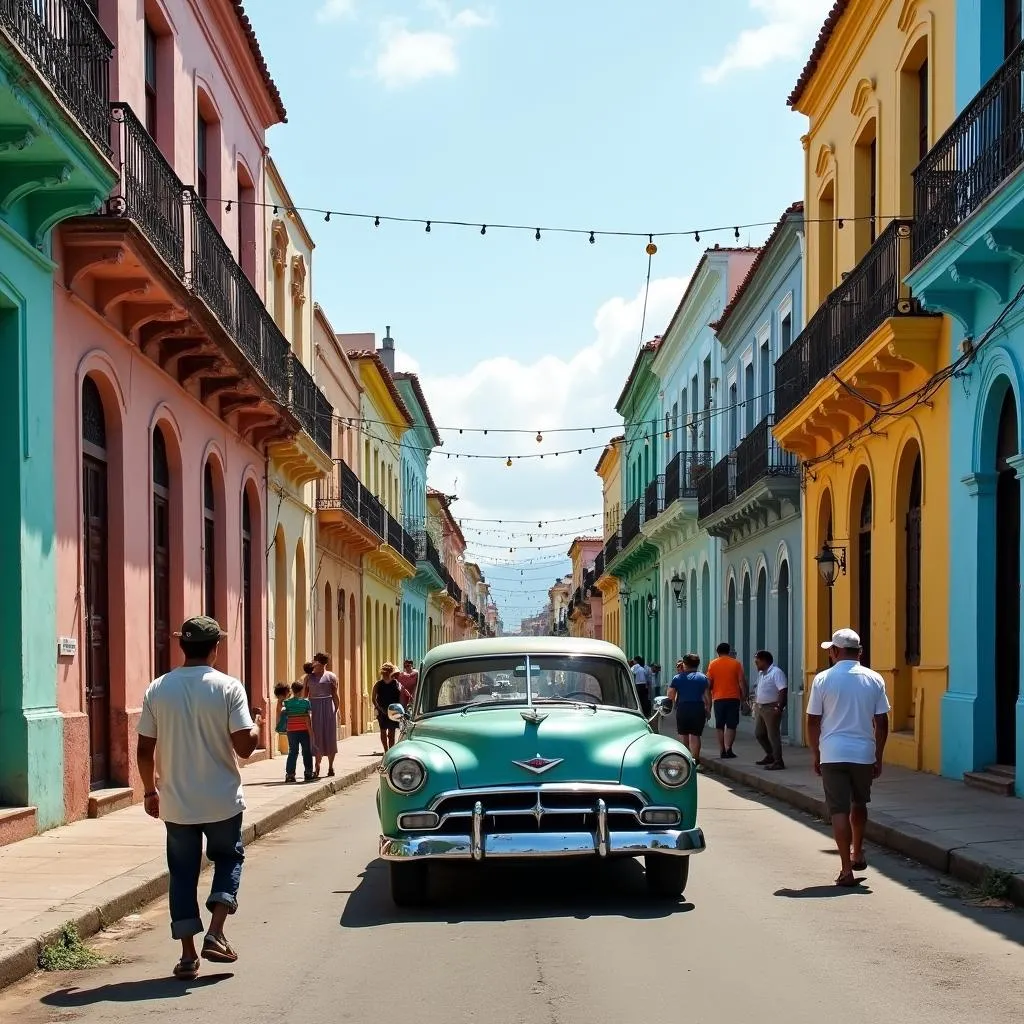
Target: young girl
[
  {"x": 300, "y": 734},
  {"x": 386, "y": 691}
]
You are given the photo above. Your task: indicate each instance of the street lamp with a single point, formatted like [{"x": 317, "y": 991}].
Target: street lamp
[
  {"x": 677, "y": 588},
  {"x": 829, "y": 565}
]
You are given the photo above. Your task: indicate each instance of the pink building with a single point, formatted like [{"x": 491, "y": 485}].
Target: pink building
[
  {"x": 585, "y": 608},
  {"x": 172, "y": 383}
]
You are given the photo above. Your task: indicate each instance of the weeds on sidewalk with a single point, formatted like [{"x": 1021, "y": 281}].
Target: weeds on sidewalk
[
  {"x": 992, "y": 892},
  {"x": 69, "y": 953}
]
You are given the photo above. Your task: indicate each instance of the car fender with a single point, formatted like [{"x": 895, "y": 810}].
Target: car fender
[
  {"x": 441, "y": 776},
  {"x": 637, "y": 771}
]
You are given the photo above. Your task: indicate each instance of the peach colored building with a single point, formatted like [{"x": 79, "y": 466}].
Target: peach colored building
[
  {"x": 172, "y": 382},
  {"x": 585, "y": 607},
  {"x": 452, "y": 548}
]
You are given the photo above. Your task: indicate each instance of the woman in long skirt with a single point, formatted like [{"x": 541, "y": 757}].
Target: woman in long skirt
[{"x": 322, "y": 691}]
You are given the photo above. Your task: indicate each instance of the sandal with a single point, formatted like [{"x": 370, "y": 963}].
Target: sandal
[
  {"x": 217, "y": 949},
  {"x": 847, "y": 881},
  {"x": 186, "y": 970},
  {"x": 859, "y": 865}
]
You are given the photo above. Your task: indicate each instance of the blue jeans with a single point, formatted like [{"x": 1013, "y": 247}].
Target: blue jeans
[
  {"x": 185, "y": 861},
  {"x": 299, "y": 741}
]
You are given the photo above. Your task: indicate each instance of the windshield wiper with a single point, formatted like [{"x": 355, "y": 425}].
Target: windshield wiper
[
  {"x": 487, "y": 704},
  {"x": 583, "y": 705}
]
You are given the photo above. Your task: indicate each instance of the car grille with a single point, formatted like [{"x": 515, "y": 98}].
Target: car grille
[{"x": 525, "y": 810}]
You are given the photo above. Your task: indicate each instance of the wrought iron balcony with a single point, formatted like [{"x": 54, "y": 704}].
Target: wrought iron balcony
[
  {"x": 454, "y": 590},
  {"x": 599, "y": 566},
  {"x": 683, "y": 472},
  {"x": 310, "y": 405},
  {"x": 63, "y": 41},
  {"x": 654, "y": 499},
  {"x": 371, "y": 513},
  {"x": 978, "y": 152},
  {"x": 427, "y": 552},
  {"x": 408, "y": 546},
  {"x": 632, "y": 521},
  {"x": 340, "y": 490},
  {"x": 150, "y": 193},
  {"x": 718, "y": 488},
  {"x": 612, "y": 548},
  {"x": 759, "y": 455},
  {"x": 870, "y": 294},
  {"x": 470, "y": 609}
]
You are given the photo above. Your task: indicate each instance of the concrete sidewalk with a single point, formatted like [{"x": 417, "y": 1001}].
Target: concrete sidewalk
[
  {"x": 943, "y": 823},
  {"x": 96, "y": 871}
]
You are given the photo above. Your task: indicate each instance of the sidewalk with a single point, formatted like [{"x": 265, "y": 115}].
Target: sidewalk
[
  {"x": 940, "y": 822},
  {"x": 96, "y": 871}
]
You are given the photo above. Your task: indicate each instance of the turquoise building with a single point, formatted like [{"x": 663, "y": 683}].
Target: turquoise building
[
  {"x": 417, "y": 443},
  {"x": 54, "y": 165},
  {"x": 968, "y": 261}
]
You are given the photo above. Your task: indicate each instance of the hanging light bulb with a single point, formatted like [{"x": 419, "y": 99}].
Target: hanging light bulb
[
  {"x": 540, "y": 437},
  {"x": 508, "y": 462}
]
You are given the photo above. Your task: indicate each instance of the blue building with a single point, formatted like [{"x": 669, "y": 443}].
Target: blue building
[
  {"x": 968, "y": 261},
  {"x": 752, "y": 501},
  {"x": 417, "y": 444}
]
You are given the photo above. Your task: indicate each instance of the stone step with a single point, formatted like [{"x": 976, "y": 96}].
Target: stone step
[
  {"x": 1009, "y": 771},
  {"x": 105, "y": 801},
  {"x": 991, "y": 782},
  {"x": 17, "y": 823}
]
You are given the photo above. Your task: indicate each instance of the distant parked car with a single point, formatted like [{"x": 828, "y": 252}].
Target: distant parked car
[{"x": 533, "y": 747}]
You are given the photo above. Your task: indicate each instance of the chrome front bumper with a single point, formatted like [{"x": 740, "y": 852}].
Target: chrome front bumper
[{"x": 477, "y": 846}]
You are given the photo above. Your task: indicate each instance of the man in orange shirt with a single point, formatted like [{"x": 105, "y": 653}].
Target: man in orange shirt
[{"x": 728, "y": 691}]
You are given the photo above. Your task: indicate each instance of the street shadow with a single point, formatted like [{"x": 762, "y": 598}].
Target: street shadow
[
  {"x": 824, "y": 892},
  {"x": 147, "y": 990},
  {"x": 513, "y": 892}
]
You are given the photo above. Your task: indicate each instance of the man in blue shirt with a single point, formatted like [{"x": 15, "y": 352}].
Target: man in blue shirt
[{"x": 691, "y": 693}]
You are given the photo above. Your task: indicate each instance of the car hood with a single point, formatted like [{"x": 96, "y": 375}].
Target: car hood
[{"x": 486, "y": 744}]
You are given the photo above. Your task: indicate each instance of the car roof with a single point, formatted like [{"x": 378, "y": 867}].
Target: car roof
[{"x": 520, "y": 645}]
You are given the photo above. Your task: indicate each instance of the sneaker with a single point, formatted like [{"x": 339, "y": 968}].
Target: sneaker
[
  {"x": 289, "y": 778},
  {"x": 729, "y": 753},
  {"x": 764, "y": 762}
]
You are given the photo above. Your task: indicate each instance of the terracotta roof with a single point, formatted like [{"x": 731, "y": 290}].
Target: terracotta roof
[
  {"x": 791, "y": 211},
  {"x": 651, "y": 346},
  {"x": 820, "y": 46},
  {"x": 385, "y": 373},
  {"x": 417, "y": 390},
  {"x": 257, "y": 56},
  {"x": 608, "y": 448}
]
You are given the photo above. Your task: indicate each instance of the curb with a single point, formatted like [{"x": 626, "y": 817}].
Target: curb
[
  {"x": 961, "y": 862},
  {"x": 116, "y": 898}
]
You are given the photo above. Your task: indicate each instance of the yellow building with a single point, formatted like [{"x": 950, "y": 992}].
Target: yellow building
[
  {"x": 297, "y": 464},
  {"x": 385, "y": 418},
  {"x": 609, "y": 469},
  {"x": 877, "y": 90}
]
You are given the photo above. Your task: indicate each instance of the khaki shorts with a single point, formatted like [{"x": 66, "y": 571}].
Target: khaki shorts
[{"x": 846, "y": 785}]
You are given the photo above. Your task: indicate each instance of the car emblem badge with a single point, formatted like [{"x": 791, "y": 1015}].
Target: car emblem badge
[
  {"x": 539, "y": 764},
  {"x": 533, "y": 716}
]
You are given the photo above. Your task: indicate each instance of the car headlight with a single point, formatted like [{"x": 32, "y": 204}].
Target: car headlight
[
  {"x": 672, "y": 770},
  {"x": 406, "y": 775}
]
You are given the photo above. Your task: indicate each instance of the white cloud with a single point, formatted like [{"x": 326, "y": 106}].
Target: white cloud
[
  {"x": 787, "y": 33},
  {"x": 404, "y": 363},
  {"x": 335, "y": 10},
  {"x": 406, "y": 56}
]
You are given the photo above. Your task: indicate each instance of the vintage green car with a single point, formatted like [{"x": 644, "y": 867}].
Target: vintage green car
[{"x": 533, "y": 747}]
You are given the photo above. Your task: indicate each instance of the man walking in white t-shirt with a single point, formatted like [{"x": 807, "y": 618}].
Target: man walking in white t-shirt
[
  {"x": 194, "y": 722},
  {"x": 847, "y": 726}
]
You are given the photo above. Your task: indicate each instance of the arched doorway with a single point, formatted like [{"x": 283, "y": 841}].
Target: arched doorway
[
  {"x": 1007, "y": 605},
  {"x": 281, "y": 630},
  {"x": 705, "y": 609},
  {"x": 96, "y": 604},
  {"x": 301, "y": 613},
  {"x": 161, "y": 555},
  {"x": 864, "y": 518},
  {"x": 761, "y": 622},
  {"x": 247, "y": 608},
  {"x": 329, "y": 625},
  {"x": 694, "y": 637},
  {"x": 822, "y": 593},
  {"x": 744, "y": 651},
  {"x": 782, "y": 645},
  {"x": 355, "y": 703},
  {"x": 209, "y": 542},
  {"x": 730, "y": 613}
]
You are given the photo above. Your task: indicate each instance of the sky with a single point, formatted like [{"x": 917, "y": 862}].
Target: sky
[{"x": 597, "y": 115}]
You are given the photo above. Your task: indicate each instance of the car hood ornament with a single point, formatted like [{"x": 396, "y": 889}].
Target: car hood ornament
[
  {"x": 533, "y": 716},
  {"x": 538, "y": 765}
]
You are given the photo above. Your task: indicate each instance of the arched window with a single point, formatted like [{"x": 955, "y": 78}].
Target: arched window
[
  {"x": 209, "y": 543},
  {"x": 161, "y": 555},
  {"x": 913, "y": 556},
  {"x": 247, "y": 604}
]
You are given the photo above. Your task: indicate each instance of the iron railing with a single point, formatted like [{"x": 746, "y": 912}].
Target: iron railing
[
  {"x": 426, "y": 551},
  {"x": 371, "y": 513},
  {"x": 717, "y": 489},
  {"x": 599, "y": 566},
  {"x": 469, "y": 608},
  {"x": 408, "y": 546},
  {"x": 612, "y": 547},
  {"x": 310, "y": 405},
  {"x": 340, "y": 490},
  {"x": 632, "y": 521},
  {"x": 654, "y": 499},
  {"x": 870, "y": 294},
  {"x": 683, "y": 472},
  {"x": 63, "y": 41},
  {"x": 978, "y": 152},
  {"x": 150, "y": 193},
  {"x": 759, "y": 455},
  {"x": 454, "y": 590}
]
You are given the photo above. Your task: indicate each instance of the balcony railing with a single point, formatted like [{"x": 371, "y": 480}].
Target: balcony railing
[
  {"x": 408, "y": 546},
  {"x": 340, "y": 490},
  {"x": 427, "y": 552},
  {"x": 470, "y": 609},
  {"x": 151, "y": 194},
  {"x": 869, "y": 295},
  {"x": 717, "y": 489},
  {"x": 454, "y": 590},
  {"x": 759, "y": 455},
  {"x": 64, "y": 42},
  {"x": 976, "y": 154},
  {"x": 599, "y": 566},
  {"x": 654, "y": 499},
  {"x": 632, "y": 521},
  {"x": 310, "y": 405},
  {"x": 612, "y": 547},
  {"x": 683, "y": 472},
  {"x": 371, "y": 513},
  {"x": 394, "y": 532}
]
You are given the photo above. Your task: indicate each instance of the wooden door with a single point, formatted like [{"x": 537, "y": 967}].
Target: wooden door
[{"x": 97, "y": 640}]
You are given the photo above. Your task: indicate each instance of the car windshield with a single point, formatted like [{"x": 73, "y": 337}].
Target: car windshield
[{"x": 521, "y": 680}]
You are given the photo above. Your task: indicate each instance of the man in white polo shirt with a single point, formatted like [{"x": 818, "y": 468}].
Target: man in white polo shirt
[{"x": 847, "y": 726}]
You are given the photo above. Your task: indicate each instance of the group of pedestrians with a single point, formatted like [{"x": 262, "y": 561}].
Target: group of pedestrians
[
  {"x": 723, "y": 691},
  {"x": 392, "y": 687},
  {"x": 308, "y": 718}
]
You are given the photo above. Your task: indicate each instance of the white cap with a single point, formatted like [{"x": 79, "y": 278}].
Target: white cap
[{"x": 843, "y": 638}]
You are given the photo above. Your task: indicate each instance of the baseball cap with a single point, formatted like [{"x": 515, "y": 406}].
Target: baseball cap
[
  {"x": 843, "y": 638},
  {"x": 200, "y": 627}
]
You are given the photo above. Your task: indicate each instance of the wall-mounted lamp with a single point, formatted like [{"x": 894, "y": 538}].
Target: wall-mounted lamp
[
  {"x": 677, "y": 589},
  {"x": 829, "y": 564}
]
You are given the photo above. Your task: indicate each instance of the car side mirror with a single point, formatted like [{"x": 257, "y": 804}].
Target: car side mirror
[
  {"x": 662, "y": 706},
  {"x": 397, "y": 713}
]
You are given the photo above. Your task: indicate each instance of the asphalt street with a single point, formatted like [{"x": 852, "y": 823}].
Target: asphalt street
[{"x": 762, "y": 935}]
